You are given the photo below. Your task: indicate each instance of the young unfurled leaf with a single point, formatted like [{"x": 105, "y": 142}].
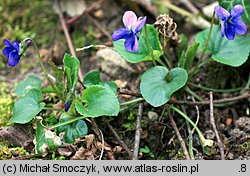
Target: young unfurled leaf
[
  {"x": 59, "y": 78},
  {"x": 72, "y": 65},
  {"x": 143, "y": 53},
  {"x": 186, "y": 58},
  {"x": 182, "y": 46},
  {"x": 230, "y": 52},
  {"x": 190, "y": 54},
  {"x": 98, "y": 101},
  {"x": 93, "y": 78},
  {"x": 156, "y": 89}
]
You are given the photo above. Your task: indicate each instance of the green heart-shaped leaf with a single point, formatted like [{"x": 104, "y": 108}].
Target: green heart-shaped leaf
[
  {"x": 98, "y": 101},
  {"x": 34, "y": 93},
  {"x": 25, "y": 109},
  {"x": 30, "y": 82},
  {"x": 155, "y": 88},
  {"x": 230, "y": 52},
  {"x": 93, "y": 78},
  {"x": 143, "y": 53}
]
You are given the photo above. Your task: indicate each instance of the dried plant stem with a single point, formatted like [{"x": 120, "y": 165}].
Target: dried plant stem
[
  {"x": 191, "y": 103},
  {"x": 183, "y": 145},
  {"x": 67, "y": 36},
  {"x": 87, "y": 10},
  {"x": 212, "y": 121},
  {"x": 119, "y": 139},
  {"x": 190, "y": 6},
  {"x": 138, "y": 131},
  {"x": 26, "y": 157},
  {"x": 100, "y": 136},
  {"x": 208, "y": 102}
]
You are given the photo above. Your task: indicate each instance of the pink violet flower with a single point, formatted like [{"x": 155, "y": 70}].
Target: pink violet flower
[{"x": 132, "y": 27}]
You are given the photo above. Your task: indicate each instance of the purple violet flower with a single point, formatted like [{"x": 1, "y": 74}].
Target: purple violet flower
[
  {"x": 12, "y": 52},
  {"x": 231, "y": 22},
  {"x": 67, "y": 106},
  {"x": 133, "y": 27}
]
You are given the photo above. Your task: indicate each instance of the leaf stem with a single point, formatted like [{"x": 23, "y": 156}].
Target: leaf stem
[
  {"x": 248, "y": 82},
  {"x": 162, "y": 63},
  {"x": 205, "y": 47},
  {"x": 137, "y": 100},
  {"x": 149, "y": 46},
  {"x": 65, "y": 123},
  {"x": 193, "y": 94},
  {"x": 168, "y": 54},
  {"x": 52, "y": 109},
  {"x": 202, "y": 138},
  {"x": 215, "y": 90}
]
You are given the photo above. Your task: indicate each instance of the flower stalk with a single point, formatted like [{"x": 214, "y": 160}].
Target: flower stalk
[
  {"x": 45, "y": 71},
  {"x": 204, "y": 141},
  {"x": 204, "y": 49}
]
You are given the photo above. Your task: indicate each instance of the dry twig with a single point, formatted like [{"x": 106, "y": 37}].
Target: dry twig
[
  {"x": 183, "y": 145},
  {"x": 224, "y": 100},
  {"x": 138, "y": 131},
  {"x": 87, "y": 10},
  {"x": 99, "y": 26},
  {"x": 67, "y": 36},
  {"x": 220, "y": 144},
  {"x": 119, "y": 139},
  {"x": 191, "y": 103},
  {"x": 26, "y": 157},
  {"x": 100, "y": 136}
]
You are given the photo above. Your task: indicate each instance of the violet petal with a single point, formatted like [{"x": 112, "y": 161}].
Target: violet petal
[
  {"x": 222, "y": 13},
  {"x": 7, "y": 43},
  {"x": 240, "y": 28},
  {"x": 129, "y": 44},
  {"x": 7, "y": 50},
  {"x": 223, "y": 27},
  {"x": 13, "y": 58},
  {"x": 237, "y": 11},
  {"x": 16, "y": 45},
  {"x": 139, "y": 24},
  {"x": 129, "y": 18},
  {"x": 230, "y": 31},
  {"x": 121, "y": 33},
  {"x": 136, "y": 44}
]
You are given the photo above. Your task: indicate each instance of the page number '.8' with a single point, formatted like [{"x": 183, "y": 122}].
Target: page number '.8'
[{"x": 243, "y": 168}]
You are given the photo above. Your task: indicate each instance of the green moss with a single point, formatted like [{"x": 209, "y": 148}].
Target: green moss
[
  {"x": 7, "y": 153},
  {"x": 245, "y": 145},
  {"x": 6, "y": 103}
]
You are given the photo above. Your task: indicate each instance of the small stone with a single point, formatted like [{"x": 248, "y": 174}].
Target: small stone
[
  {"x": 153, "y": 116},
  {"x": 209, "y": 134},
  {"x": 230, "y": 156},
  {"x": 243, "y": 123},
  {"x": 114, "y": 65}
]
